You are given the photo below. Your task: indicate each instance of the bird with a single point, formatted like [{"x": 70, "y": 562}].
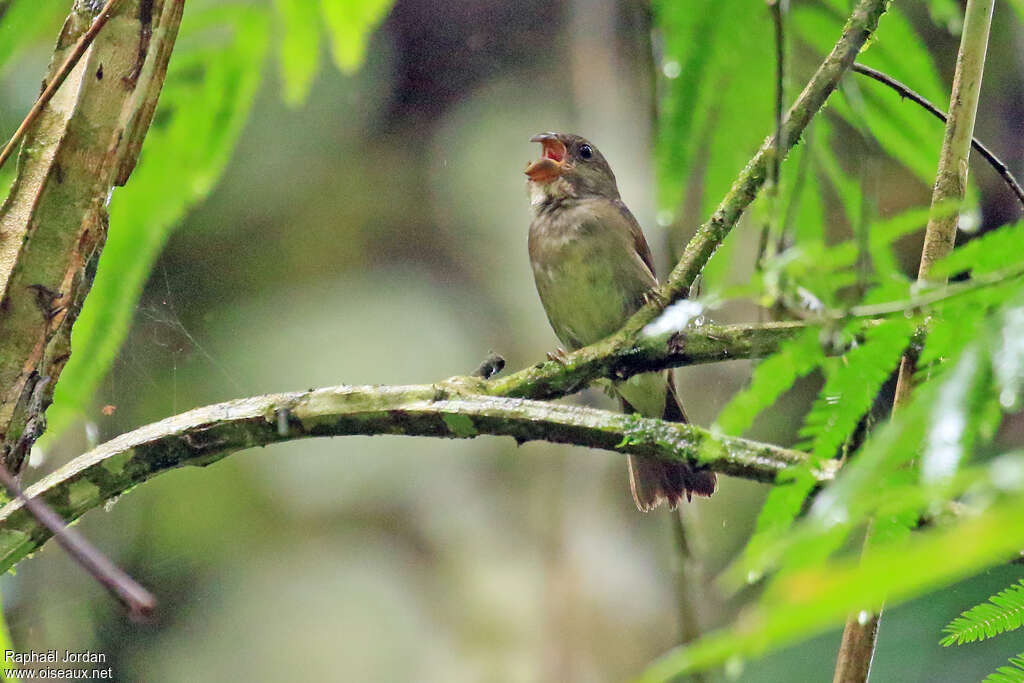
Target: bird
[{"x": 593, "y": 269}]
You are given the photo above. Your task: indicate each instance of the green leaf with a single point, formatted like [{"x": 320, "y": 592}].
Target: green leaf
[
  {"x": 808, "y": 602},
  {"x": 691, "y": 33},
  {"x": 941, "y": 424},
  {"x": 1018, "y": 7},
  {"x": 716, "y": 108},
  {"x": 349, "y": 25},
  {"x": 903, "y": 129},
  {"x": 460, "y": 425},
  {"x": 781, "y": 507},
  {"x": 954, "y": 323},
  {"x": 994, "y": 251},
  {"x": 948, "y": 14},
  {"x": 805, "y": 209},
  {"x": 25, "y": 21},
  {"x": 210, "y": 87},
  {"x": 1003, "y": 612},
  {"x": 299, "y": 47},
  {"x": 848, "y": 393},
  {"x": 852, "y": 383},
  {"x": 773, "y": 376},
  {"x": 1009, "y": 674}
]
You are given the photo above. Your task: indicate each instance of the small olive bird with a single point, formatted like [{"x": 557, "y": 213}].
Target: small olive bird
[{"x": 593, "y": 270}]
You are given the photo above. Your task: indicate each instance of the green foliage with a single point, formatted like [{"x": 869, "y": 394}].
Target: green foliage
[
  {"x": 1018, "y": 7},
  {"x": 349, "y": 25},
  {"x": 1003, "y": 612},
  {"x": 714, "y": 96},
  {"x": 781, "y": 508},
  {"x": 23, "y": 22},
  {"x": 994, "y": 251},
  {"x": 299, "y": 47},
  {"x": 211, "y": 84},
  {"x": 853, "y": 381},
  {"x": 803, "y": 603},
  {"x": 808, "y": 590},
  {"x": 795, "y": 358},
  {"x": 1008, "y": 674}
]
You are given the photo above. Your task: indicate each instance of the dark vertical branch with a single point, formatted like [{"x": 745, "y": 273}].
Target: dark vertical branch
[
  {"x": 687, "y": 575},
  {"x": 773, "y": 225}
]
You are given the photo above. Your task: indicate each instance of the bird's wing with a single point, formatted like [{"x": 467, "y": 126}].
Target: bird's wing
[{"x": 637, "y": 233}]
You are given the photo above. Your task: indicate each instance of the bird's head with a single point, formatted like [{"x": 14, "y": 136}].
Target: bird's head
[{"x": 570, "y": 166}]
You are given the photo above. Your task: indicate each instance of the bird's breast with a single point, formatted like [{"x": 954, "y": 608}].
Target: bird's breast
[{"x": 585, "y": 277}]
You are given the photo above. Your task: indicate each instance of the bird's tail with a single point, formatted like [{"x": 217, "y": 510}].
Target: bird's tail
[{"x": 654, "y": 481}]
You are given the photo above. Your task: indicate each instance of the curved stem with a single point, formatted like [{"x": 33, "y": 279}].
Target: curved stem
[
  {"x": 995, "y": 162},
  {"x": 448, "y": 410}
]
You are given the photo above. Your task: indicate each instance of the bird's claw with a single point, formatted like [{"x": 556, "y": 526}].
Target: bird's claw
[{"x": 652, "y": 296}]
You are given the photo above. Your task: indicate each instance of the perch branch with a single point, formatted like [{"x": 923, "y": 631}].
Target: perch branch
[
  {"x": 447, "y": 410},
  {"x": 619, "y": 358},
  {"x": 191, "y": 439}
]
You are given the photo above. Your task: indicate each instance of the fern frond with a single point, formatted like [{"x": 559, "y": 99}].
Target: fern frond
[
  {"x": 1008, "y": 674},
  {"x": 953, "y": 323},
  {"x": 1002, "y": 612},
  {"x": 795, "y": 358},
  {"x": 852, "y": 385},
  {"x": 993, "y": 251}
]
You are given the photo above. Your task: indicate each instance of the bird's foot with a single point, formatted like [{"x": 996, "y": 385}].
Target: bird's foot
[
  {"x": 653, "y": 296},
  {"x": 559, "y": 356}
]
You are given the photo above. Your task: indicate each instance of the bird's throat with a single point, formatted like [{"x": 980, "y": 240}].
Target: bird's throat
[{"x": 545, "y": 193}]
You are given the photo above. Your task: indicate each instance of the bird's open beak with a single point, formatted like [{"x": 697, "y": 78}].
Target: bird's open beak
[{"x": 552, "y": 161}]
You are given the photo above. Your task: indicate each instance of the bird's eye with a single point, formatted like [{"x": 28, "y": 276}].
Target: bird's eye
[{"x": 586, "y": 152}]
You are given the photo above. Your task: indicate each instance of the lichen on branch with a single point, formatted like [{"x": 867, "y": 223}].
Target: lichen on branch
[
  {"x": 446, "y": 410},
  {"x": 53, "y": 223}
]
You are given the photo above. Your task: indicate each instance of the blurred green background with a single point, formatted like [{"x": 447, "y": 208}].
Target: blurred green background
[{"x": 377, "y": 234}]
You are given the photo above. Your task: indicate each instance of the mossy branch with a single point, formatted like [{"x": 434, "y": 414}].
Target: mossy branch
[
  {"x": 447, "y": 410},
  {"x": 620, "y": 357},
  {"x": 76, "y": 148}
]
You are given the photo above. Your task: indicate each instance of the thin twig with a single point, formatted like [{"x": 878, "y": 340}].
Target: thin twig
[
  {"x": 139, "y": 601},
  {"x": 920, "y": 301},
  {"x": 904, "y": 91},
  {"x": 58, "y": 78},
  {"x": 780, "y": 72},
  {"x": 775, "y": 9},
  {"x": 688, "y": 584},
  {"x": 710, "y": 235}
]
